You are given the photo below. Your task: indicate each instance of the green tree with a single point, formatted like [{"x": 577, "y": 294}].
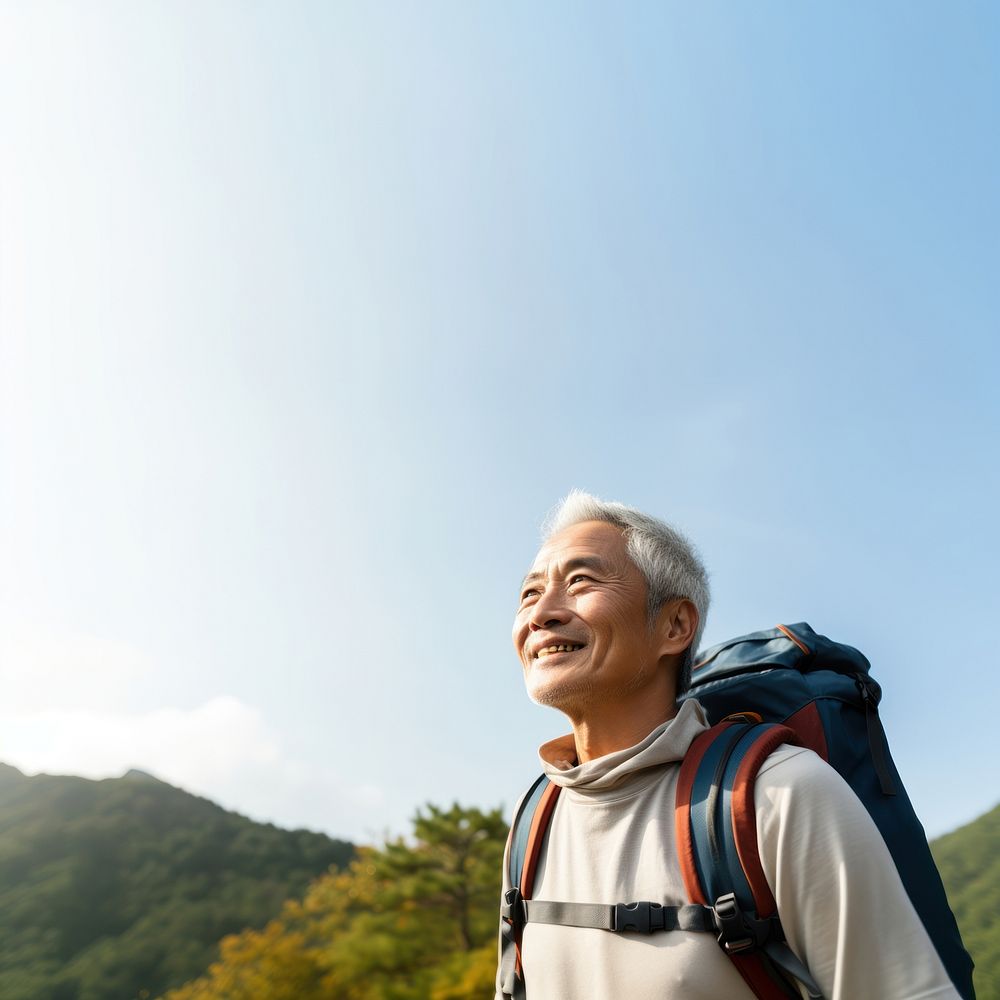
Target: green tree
[{"x": 430, "y": 899}]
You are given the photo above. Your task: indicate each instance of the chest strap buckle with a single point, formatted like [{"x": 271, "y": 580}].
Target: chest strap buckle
[{"x": 644, "y": 917}]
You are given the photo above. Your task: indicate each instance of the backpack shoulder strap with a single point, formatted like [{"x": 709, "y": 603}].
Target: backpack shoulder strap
[
  {"x": 716, "y": 835},
  {"x": 527, "y": 837},
  {"x": 528, "y": 832}
]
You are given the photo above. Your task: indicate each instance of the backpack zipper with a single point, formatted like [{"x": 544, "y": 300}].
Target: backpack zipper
[{"x": 870, "y": 695}]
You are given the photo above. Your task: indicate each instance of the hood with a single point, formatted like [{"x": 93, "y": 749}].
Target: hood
[{"x": 666, "y": 744}]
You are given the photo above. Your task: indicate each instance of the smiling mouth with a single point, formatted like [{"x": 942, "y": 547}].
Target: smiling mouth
[{"x": 566, "y": 648}]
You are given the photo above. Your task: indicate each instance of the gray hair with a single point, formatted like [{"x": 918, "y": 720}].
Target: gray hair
[{"x": 667, "y": 560}]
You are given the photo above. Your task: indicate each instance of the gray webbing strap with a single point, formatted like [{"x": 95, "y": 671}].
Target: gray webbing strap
[
  {"x": 643, "y": 917},
  {"x": 511, "y": 984},
  {"x": 789, "y": 963},
  {"x": 541, "y": 911}
]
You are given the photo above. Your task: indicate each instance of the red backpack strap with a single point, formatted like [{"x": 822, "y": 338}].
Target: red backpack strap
[
  {"x": 727, "y": 758},
  {"x": 536, "y": 838},
  {"x": 682, "y": 811},
  {"x": 526, "y": 841},
  {"x": 744, "y": 815}
]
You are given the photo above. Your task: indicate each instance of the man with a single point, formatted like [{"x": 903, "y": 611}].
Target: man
[{"x": 608, "y": 621}]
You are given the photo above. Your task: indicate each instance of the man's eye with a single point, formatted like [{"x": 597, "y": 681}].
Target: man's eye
[
  {"x": 577, "y": 578},
  {"x": 527, "y": 594}
]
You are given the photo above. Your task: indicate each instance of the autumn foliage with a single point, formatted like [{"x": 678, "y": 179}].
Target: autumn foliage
[{"x": 411, "y": 919}]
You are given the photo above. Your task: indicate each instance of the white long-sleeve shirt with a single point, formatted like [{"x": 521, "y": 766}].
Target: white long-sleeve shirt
[{"x": 842, "y": 905}]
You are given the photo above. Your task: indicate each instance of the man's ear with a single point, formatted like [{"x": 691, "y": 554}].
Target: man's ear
[{"x": 676, "y": 626}]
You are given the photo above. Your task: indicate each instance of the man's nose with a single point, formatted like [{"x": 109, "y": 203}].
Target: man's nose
[{"x": 548, "y": 611}]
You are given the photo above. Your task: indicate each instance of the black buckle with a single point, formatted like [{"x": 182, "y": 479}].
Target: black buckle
[
  {"x": 644, "y": 917},
  {"x": 739, "y": 932},
  {"x": 512, "y": 908}
]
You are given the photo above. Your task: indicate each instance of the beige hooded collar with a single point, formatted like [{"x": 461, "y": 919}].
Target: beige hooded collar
[{"x": 666, "y": 744}]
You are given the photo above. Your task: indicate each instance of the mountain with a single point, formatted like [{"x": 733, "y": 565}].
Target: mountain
[
  {"x": 969, "y": 861},
  {"x": 121, "y": 889}
]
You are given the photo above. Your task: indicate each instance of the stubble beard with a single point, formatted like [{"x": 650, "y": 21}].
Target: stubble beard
[
  {"x": 568, "y": 694},
  {"x": 574, "y": 695}
]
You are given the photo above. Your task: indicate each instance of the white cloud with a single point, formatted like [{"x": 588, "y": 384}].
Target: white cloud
[
  {"x": 196, "y": 748},
  {"x": 66, "y": 707},
  {"x": 222, "y": 749}
]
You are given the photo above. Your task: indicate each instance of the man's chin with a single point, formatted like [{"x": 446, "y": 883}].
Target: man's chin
[{"x": 566, "y": 696}]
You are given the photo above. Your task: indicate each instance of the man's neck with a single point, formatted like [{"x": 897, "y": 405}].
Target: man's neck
[{"x": 607, "y": 729}]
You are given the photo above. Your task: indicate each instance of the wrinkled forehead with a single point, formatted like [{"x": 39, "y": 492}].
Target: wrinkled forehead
[{"x": 593, "y": 543}]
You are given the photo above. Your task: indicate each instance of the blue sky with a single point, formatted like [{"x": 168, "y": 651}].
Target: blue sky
[{"x": 309, "y": 313}]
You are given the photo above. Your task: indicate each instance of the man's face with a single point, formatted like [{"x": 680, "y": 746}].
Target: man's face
[{"x": 584, "y": 594}]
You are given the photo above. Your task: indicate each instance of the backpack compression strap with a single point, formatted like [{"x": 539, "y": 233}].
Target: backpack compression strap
[
  {"x": 716, "y": 833},
  {"x": 527, "y": 834}
]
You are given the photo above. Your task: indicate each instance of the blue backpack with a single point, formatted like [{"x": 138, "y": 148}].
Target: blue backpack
[{"x": 782, "y": 685}]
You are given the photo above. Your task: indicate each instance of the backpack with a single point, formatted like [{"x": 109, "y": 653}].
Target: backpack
[{"x": 782, "y": 685}]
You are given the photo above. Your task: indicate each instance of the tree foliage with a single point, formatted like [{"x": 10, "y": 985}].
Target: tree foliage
[{"x": 412, "y": 919}]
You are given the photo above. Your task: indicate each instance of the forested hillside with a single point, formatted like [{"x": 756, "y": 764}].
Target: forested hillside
[
  {"x": 969, "y": 861},
  {"x": 121, "y": 889}
]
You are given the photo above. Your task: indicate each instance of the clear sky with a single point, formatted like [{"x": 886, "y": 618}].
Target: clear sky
[{"x": 309, "y": 312}]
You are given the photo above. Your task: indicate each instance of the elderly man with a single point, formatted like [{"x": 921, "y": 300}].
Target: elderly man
[{"x": 608, "y": 620}]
